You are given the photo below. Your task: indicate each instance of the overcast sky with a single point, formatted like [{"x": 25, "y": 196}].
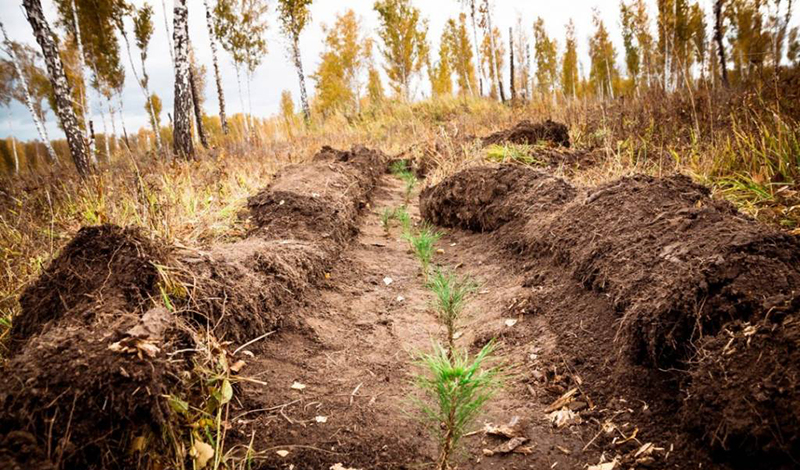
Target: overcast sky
[{"x": 276, "y": 73}]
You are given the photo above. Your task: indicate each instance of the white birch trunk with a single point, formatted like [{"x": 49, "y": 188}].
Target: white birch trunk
[
  {"x": 58, "y": 79},
  {"x": 217, "y": 77},
  {"x": 51, "y": 153},
  {"x": 182, "y": 131},
  {"x": 86, "y": 99}
]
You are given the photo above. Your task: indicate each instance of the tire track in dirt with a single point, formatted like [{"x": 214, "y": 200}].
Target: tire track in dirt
[{"x": 353, "y": 353}]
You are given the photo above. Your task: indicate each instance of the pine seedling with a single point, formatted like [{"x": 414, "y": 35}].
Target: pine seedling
[
  {"x": 386, "y": 219},
  {"x": 402, "y": 216},
  {"x": 399, "y": 168},
  {"x": 411, "y": 183},
  {"x": 451, "y": 293},
  {"x": 423, "y": 245},
  {"x": 456, "y": 388}
]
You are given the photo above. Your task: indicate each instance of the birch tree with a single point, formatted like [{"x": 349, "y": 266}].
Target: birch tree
[
  {"x": 61, "y": 89},
  {"x": 405, "y": 47},
  {"x": 492, "y": 36},
  {"x": 569, "y": 65},
  {"x": 143, "y": 32},
  {"x": 295, "y": 16},
  {"x": 182, "y": 130},
  {"x": 86, "y": 101},
  {"x": 471, "y": 6},
  {"x": 9, "y": 48},
  {"x": 217, "y": 77}
]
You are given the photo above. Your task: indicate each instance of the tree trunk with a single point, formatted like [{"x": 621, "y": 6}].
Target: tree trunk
[
  {"x": 237, "y": 66},
  {"x": 182, "y": 132},
  {"x": 142, "y": 82},
  {"x": 494, "y": 64},
  {"x": 220, "y": 94},
  {"x": 14, "y": 152},
  {"x": 122, "y": 120},
  {"x": 198, "y": 110},
  {"x": 169, "y": 36},
  {"x": 477, "y": 49},
  {"x": 44, "y": 36},
  {"x": 511, "y": 62},
  {"x": 718, "y": 38},
  {"x": 51, "y": 154},
  {"x": 299, "y": 66},
  {"x": 86, "y": 101}
]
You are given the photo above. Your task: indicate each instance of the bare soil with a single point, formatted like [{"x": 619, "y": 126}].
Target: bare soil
[
  {"x": 639, "y": 312},
  {"x": 693, "y": 310},
  {"x": 526, "y": 132}
]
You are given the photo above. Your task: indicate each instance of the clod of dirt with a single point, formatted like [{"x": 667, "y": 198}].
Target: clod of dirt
[
  {"x": 63, "y": 384},
  {"x": 744, "y": 392},
  {"x": 526, "y": 132},
  {"x": 682, "y": 271},
  {"x": 103, "y": 270},
  {"x": 486, "y": 198}
]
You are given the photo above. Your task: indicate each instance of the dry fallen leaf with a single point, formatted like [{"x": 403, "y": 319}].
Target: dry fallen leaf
[
  {"x": 604, "y": 466},
  {"x": 237, "y": 366},
  {"x": 298, "y": 386},
  {"x": 562, "y": 401},
  {"x": 201, "y": 453},
  {"x": 339, "y": 466},
  {"x": 563, "y": 417}
]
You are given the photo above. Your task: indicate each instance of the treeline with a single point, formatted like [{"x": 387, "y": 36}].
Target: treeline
[{"x": 80, "y": 76}]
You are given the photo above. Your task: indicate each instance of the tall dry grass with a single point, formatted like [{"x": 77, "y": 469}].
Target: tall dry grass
[{"x": 739, "y": 143}]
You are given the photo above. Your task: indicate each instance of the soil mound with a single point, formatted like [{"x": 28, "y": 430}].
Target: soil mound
[
  {"x": 82, "y": 374},
  {"x": 94, "y": 354},
  {"x": 681, "y": 271},
  {"x": 303, "y": 218},
  {"x": 485, "y": 198},
  {"x": 526, "y": 132},
  {"x": 103, "y": 270}
]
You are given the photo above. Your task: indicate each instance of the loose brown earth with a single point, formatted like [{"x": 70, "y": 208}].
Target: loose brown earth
[{"x": 664, "y": 317}]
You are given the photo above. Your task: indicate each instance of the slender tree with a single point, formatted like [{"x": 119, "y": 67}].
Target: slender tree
[
  {"x": 545, "y": 50},
  {"x": 441, "y": 75},
  {"x": 44, "y": 36},
  {"x": 405, "y": 47},
  {"x": 182, "y": 132},
  {"x": 375, "y": 93},
  {"x": 511, "y": 64},
  {"x": 632, "y": 54},
  {"x": 569, "y": 66},
  {"x": 457, "y": 37},
  {"x": 471, "y": 6},
  {"x": 143, "y": 32},
  {"x": 295, "y": 15},
  {"x": 601, "y": 51},
  {"x": 197, "y": 84},
  {"x": 9, "y": 48},
  {"x": 495, "y": 55},
  {"x": 347, "y": 52},
  {"x": 522, "y": 55},
  {"x": 491, "y": 63},
  {"x": 217, "y": 77},
  {"x": 86, "y": 101},
  {"x": 718, "y": 35}
]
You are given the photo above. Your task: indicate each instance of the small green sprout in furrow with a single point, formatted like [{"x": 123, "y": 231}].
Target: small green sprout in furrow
[
  {"x": 455, "y": 390},
  {"x": 386, "y": 220},
  {"x": 423, "y": 244},
  {"x": 401, "y": 215},
  {"x": 451, "y": 293}
]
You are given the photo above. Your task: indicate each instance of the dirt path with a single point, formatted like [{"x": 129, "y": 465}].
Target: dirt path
[{"x": 352, "y": 353}]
